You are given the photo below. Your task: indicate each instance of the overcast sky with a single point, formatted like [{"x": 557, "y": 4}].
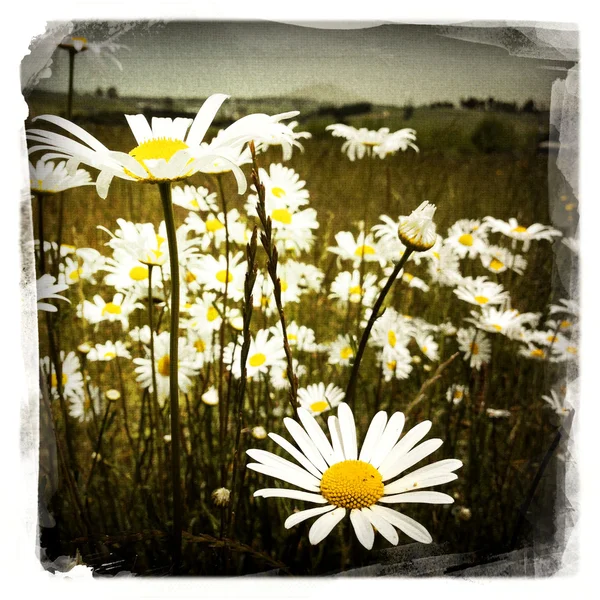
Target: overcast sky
[{"x": 388, "y": 64}]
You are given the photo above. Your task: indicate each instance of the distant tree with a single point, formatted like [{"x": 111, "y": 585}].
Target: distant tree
[
  {"x": 443, "y": 104},
  {"x": 168, "y": 103},
  {"x": 490, "y": 103},
  {"x": 99, "y": 92},
  {"x": 472, "y": 103},
  {"x": 111, "y": 93},
  {"x": 408, "y": 111},
  {"x": 493, "y": 135},
  {"x": 529, "y": 107}
]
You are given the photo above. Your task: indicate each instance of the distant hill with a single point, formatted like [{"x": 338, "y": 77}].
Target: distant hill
[{"x": 325, "y": 94}]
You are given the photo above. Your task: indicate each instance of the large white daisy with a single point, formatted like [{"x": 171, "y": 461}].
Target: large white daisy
[{"x": 339, "y": 478}]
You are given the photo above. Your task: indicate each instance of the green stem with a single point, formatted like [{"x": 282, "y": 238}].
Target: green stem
[
  {"x": 165, "y": 194},
  {"x": 351, "y": 389}
]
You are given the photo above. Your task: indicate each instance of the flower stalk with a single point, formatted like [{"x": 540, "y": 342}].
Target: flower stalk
[{"x": 165, "y": 195}]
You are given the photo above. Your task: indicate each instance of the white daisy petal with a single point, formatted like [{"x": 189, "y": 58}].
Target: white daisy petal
[
  {"x": 306, "y": 444},
  {"x": 409, "y": 526},
  {"x": 416, "y": 434},
  {"x": 391, "y": 469},
  {"x": 306, "y": 481},
  {"x": 316, "y": 435},
  {"x": 382, "y": 526},
  {"x": 306, "y": 514},
  {"x": 348, "y": 431},
  {"x": 139, "y": 127},
  {"x": 388, "y": 439},
  {"x": 420, "y": 497},
  {"x": 323, "y": 525},
  {"x": 287, "y": 493},
  {"x": 373, "y": 435},
  {"x": 294, "y": 452},
  {"x": 270, "y": 459},
  {"x": 410, "y": 482},
  {"x": 363, "y": 528},
  {"x": 336, "y": 438},
  {"x": 204, "y": 118}
]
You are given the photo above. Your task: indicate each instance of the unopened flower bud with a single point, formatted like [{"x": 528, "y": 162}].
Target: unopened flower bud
[
  {"x": 220, "y": 496},
  {"x": 417, "y": 231},
  {"x": 259, "y": 433}
]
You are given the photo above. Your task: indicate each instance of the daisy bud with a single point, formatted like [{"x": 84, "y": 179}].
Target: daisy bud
[
  {"x": 464, "y": 513},
  {"x": 417, "y": 231},
  {"x": 167, "y": 438},
  {"x": 84, "y": 348},
  {"x": 220, "y": 496},
  {"x": 259, "y": 433},
  {"x": 112, "y": 395},
  {"x": 211, "y": 397}
]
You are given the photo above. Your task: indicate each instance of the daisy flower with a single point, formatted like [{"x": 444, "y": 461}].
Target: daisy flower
[
  {"x": 357, "y": 140},
  {"x": 283, "y": 188},
  {"x": 444, "y": 267},
  {"x": 395, "y": 362},
  {"x": 467, "y": 238},
  {"x": 480, "y": 291},
  {"x": 411, "y": 280},
  {"x": 264, "y": 351},
  {"x": 83, "y": 408},
  {"x": 335, "y": 476},
  {"x": 162, "y": 364},
  {"x": 565, "y": 306},
  {"x": 213, "y": 274},
  {"x": 417, "y": 231},
  {"x": 299, "y": 336},
  {"x": 194, "y": 198},
  {"x": 475, "y": 346},
  {"x": 456, "y": 393},
  {"x": 398, "y": 140},
  {"x": 108, "y": 351},
  {"x": 363, "y": 248},
  {"x": 341, "y": 350},
  {"x": 346, "y": 288},
  {"x": 519, "y": 233},
  {"x": 558, "y": 406},
  {"x": 390, "y": 330},
  {"x": 47, "y": 288},
  {"x": 72, "y": 380},
  {"x": 167, "y": 149},
  {"x": 498, "y": 259},
  {"x": 316, "y": 398},
  {"x": 118, "y": 309},
  {"x": 507, "y": 322},
  {"x": 213, "y": 231},
  {"x": 387, "y": 233},
  {"x": 428, "y": 346},
  {"x": 278, "y": 373},
  {"x": 47, "y": 177},
  {"x": 205, "y": 314}
]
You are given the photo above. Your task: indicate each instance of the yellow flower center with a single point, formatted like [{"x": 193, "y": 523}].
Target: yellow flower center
[
  {"x": 190, "y": 277},
  {"x": 153, "y": 150},
  {"x": 481, "y": 299},
  {"x": 458, "y": 394},
  {"x": 278, "y": 192},
  {"x": 110, "y": 308},
  {"x": 109, "y": 355},
  {"x": 74, "y": 275},
  {"x": 572, "y": 350},
  {"x": 319, "y": 406},
  {"x": 194, "y": 203},
  {"x": 474, "y": 348},
  {"x": 346, "y": 352},
  {"x": 283, "y": 215},
  {"x": 352, "y": 484},
  {"x": 391, "y": 365},
  {"x": 54, "y": 380},
  {"x": 256, "y": 360},
  {"x": 223, "y": 276},
  {"x": 200, "y": 346},
  {"x": 356, "y": 289},
  {"x": 552, "y": 339},
  {"x": 292, "y": 337},
  {"x": 212, "y": 313},
  {"x": 538, "y": 353},
  {"x": 284, "y": 285},
  {"x": 466, "y": 239},
  {"x": 520, "y": 229},
  {"x": 569, "y": 207},
  {"x": 364, "y": 250},
  {"x": 213, "y": 225},
  {"x": 392, "y": 338},
  {"x": 164, "y": 365},
  {"x": 565, "y": 324},
  {"x": 138, "y": 273},
  {"x": 408, "y": 277},
  {"x": 497, "y": 327},
  {"x": 496, "y": 265}
]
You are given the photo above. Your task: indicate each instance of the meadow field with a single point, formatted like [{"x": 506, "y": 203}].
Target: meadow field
[{"x": 105, "y": 476}]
